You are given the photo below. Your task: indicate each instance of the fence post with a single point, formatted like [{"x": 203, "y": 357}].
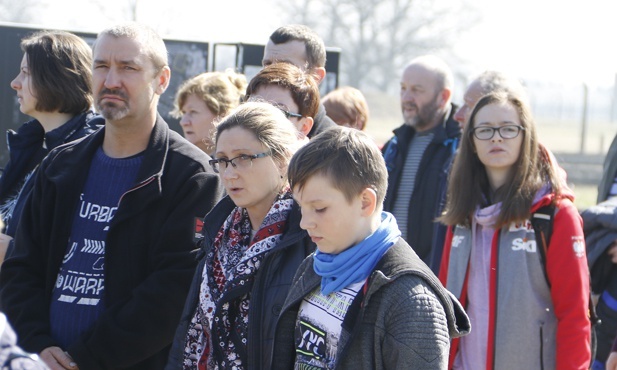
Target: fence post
[{"x": 584, "y": 118}]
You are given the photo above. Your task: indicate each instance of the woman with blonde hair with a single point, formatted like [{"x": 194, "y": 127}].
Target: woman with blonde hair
[
  {"x": 203, "y": 100},
  {"x": 251, "y": 248},
  {"x": 525, "y": 312}
]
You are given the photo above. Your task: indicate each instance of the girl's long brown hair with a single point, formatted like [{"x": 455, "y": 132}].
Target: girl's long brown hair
[{"x": 468, "y": 187}]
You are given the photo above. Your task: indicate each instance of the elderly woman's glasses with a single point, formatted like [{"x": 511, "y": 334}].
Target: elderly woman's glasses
[
  {"x": 242, "y": 161},
  {"x": 506, "y": 132}
]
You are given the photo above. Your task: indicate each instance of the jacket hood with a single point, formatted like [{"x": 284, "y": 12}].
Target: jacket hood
[{"x": 550, "y": 197}]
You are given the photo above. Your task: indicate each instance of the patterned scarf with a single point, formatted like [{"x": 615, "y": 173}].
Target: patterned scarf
[{"x": 231, "y": 266}]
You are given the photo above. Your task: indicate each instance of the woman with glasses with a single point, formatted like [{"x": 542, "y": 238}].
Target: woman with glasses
[
  {"x": 290, "y": 89},
  {"x": 525, "y": 312},
  {"x": 251, "y": 249}
]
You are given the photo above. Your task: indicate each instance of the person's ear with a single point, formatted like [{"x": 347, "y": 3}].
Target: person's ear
[
  {"x": 305, "y": 124},
  {"x": 445, "y": 96},
  {"x": 320, "y": 74},
  {"x": 162, "y": 79},
  {"x": 368, "y": 198},
  {"x": 282, "y": 167}
]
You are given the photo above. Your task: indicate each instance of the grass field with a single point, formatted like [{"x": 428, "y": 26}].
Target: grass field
[{"x": 585, "y": 196}]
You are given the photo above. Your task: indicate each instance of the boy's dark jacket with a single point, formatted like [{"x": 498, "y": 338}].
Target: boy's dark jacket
[
  {"x": 373, "y": 342},
  {"x": 149, "y": 256},
  {"x": 267, "y": 294},
  {"x": 424, "y": 235}
]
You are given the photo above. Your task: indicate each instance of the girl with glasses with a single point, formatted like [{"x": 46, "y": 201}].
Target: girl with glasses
[
  {"x": 525, "y": 313},
  {"x": 251, "y": 249}
]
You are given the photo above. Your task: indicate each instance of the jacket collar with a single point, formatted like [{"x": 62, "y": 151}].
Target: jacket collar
[
  {"x": 66, "y": 132},
  {"x": 79, "y": 155},
  {"x": 217, "y": 216},
  {"x": 395, "y": 263},
  {"x": 32, "y": 132}
]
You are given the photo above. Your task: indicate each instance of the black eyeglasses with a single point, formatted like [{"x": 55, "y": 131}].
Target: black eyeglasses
[
  {"x": 506, "y": 132},
  {"x": 289, "y": 114},
  {"x": 243, "y": 161}
]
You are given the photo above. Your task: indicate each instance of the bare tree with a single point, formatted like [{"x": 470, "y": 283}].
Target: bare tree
[
  {"x": 141, "y": 11},
  {"x": 378, "y": 37},
  {"x": 22, "y": 11}
]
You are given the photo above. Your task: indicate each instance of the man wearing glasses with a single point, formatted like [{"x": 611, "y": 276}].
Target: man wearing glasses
[
  {"x": 299, "y": 45},
  {"x": 419, "y": 154}
]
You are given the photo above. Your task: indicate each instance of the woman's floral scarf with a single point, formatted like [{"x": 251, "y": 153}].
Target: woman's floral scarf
[{"x": 231, "y": 265}]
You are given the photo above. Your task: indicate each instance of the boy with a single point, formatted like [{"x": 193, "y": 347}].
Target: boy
[{"x": 364, "y": 299}]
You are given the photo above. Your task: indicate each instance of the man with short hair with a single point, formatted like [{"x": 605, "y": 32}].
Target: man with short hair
[
  {"x": 487, "y": 82},
  {"x": 299, "y": 45},
  {"x": 419, "y": 154},
  {"x": 105, "y": 251}
]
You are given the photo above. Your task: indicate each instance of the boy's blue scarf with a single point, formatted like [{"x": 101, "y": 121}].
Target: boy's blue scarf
[{"x": 355, "y": 264}]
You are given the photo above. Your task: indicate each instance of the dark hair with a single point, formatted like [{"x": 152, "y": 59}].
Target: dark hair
[
  {"x": 60, "y": 64},
  {"x": 315, "y": 48},
  {"x": 302, "y": 86},
  {"x": 349, "y": 158},
  {"x": 468, "y": 185}
]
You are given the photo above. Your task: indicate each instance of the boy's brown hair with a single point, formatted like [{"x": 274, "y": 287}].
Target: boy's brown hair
[{"x": 349, "y": 158}]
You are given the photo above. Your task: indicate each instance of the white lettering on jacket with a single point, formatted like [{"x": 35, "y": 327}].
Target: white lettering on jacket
[
  {"x": 520, "y": 244},
  {"x": 457, "y": 240}
]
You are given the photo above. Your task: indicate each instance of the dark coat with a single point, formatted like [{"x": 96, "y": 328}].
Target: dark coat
[
  {"x": 27, "y": 148},
  {"x": 406, "y": 318},
  {"x": 609, "y": 170},
  {"x": 321, "y": 122},
  {"x": 268, "y": 292},
  {"x": 424, "y": 235},
  {"x": 149, "y": 255}
]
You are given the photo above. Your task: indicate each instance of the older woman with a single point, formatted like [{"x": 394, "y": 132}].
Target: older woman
[
  {"x": 203, "y": 100},
  {"x": 252, "y": 247}
]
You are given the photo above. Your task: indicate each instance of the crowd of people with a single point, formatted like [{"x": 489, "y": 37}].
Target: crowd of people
[{"x": 276, "y": 234}]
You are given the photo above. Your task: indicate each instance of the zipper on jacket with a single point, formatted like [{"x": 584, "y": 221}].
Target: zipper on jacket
[
  {"x": 138, "y": 186},
  {"x": 496, "y": 300}
]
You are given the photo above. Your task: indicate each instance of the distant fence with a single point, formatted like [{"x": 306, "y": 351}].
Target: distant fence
[{"x": 581, "y": 169}]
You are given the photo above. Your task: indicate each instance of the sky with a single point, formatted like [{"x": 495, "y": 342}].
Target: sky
[
  {"x": 546, "y": 39},
  {"x": 570, "y": 41}
]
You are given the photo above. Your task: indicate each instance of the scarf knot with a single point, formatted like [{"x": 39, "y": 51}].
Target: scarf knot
[{"x": 356, "y": 263}]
